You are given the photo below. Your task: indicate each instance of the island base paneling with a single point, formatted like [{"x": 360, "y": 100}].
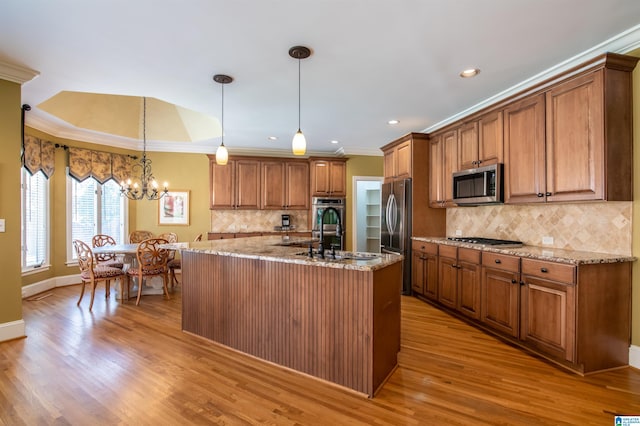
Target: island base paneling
[{"x": 340, "y": 325}]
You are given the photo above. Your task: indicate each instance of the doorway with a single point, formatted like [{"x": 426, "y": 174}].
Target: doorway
[{"x": 366, "y": 213}]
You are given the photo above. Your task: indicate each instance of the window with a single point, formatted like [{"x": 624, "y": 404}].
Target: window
[
  {"x": 35, "y": 220},
  {"x": 94, "y": 209}
]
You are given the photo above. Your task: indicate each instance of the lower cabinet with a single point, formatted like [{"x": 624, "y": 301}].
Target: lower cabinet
[
  {"x": 459, "y": 279},
  {"x": 575, "y": 315}
]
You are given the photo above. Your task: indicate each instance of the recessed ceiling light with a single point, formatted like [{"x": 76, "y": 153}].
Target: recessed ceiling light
[
  {"x": 334, "y": 141},
  {"x": 393, "y": 121},
  {"x": 273, "y": 138},
  {"x": 471, "y": 72}
]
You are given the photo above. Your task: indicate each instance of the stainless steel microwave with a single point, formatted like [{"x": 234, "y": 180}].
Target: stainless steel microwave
[{"x": 482, "y": 185}]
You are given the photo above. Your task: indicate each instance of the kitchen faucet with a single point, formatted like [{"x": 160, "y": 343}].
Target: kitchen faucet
[{"x": 338, "y": 229}]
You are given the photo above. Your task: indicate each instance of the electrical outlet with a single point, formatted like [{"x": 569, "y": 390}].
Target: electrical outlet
[
  {"x": 458, "y": 233},
  {"x": 547, "y": 240},
  {"x": 2, "y": 225}
]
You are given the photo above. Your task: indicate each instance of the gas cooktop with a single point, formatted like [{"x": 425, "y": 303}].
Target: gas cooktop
[{"x": 481, "y": 241}]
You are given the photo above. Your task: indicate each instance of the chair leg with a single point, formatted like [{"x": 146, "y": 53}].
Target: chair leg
[
  {"x": 139, "y": 289},
  {"x": 93, "y": 294},
  {"x": 165, "y": 278},
  {"x": 81, "y": 294},
  {"x": 107, "y": 291}
]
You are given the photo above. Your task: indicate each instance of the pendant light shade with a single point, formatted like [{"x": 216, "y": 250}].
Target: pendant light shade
[
  {"x": 222, "y": 155},
  {"x": 299, "y": 143}
]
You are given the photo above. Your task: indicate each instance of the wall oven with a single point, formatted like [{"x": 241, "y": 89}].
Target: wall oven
[
  {"x": 482, "y": 185},
  {"x": 318, "y": 207}
]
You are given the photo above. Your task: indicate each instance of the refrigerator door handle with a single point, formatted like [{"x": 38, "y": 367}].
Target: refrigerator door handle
[{"x": 391, "y": 216}]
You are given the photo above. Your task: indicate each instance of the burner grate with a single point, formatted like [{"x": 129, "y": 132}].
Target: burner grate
[{"x": 487, "y": 241}]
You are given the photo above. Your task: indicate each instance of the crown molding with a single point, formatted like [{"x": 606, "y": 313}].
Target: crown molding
[
  {"x": 16, "y": 74},
  {"x": 624, "y": 42}
]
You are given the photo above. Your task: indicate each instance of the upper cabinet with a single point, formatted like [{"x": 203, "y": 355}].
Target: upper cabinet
[
  {"x": 285, "y": 185},
  {"x": 328, "y": 177},
  {"x": 235, "y": 185},
  {"x": 397, "y": 161},
  {"x": 572, "y": 141},
  {"x": 444, "y": 161}
]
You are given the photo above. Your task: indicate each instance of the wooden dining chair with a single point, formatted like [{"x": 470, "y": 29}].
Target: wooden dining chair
[
  {"x": 91, "y": 272},
  {"x": 152, "y": 262},
  {"x": 136, "y": 237},
  {"x": 106, "y": 259},
  {"x": 177, "y": 264}
]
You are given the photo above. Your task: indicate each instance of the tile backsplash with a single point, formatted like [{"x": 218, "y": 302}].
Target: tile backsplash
[
  {"x": 256, "y": 220},
  {"x": 603, "y": 227}
]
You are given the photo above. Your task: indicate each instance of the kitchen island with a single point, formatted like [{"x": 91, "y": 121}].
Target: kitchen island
[{"x": 334, "y": 319}]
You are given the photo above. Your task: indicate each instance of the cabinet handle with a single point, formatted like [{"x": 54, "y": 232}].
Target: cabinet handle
[
  {"x": 498, "y": 261},
  {"x": 548, "y": 194},
  {"x": 521, "y": 282},
  {"x": 544, "y": 270},
  {"x": 540, "y": 194},
  {"x": 479, "y": 162},
  {"x": 513, "y": 281}
]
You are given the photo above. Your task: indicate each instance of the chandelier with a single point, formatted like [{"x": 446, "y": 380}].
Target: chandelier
[
  {"x": 299, "y": 143},
  {"x": 146, "y": 186},
  {"x": 222, "y": 155}
]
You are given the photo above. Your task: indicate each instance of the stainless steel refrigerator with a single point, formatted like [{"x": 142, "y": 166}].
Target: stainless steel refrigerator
[{"x": 396, "y": 225}]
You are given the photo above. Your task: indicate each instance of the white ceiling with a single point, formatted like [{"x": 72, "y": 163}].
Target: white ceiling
[{"x": 372, "y": 61}]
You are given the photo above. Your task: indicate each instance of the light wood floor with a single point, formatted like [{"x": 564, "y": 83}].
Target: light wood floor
[{"x": 124, "y": 364}]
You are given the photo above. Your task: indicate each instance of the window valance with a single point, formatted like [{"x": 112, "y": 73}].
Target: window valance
[
  {"x": 100, "y": 165},
  {"x": 38, "y": 155}
]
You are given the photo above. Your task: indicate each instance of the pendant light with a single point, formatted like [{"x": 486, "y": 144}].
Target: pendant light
[
  {"x": 145, "y": 186},
  {"x": 222, "y": 155},
  {"x": 299, "y": 143}
]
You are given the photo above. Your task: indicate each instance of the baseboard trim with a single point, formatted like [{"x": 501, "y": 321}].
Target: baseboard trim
[
  {"x": 48, "y": 284},
  {"x": 12, "y": 330},
  {"x": 634, "y": 356}
]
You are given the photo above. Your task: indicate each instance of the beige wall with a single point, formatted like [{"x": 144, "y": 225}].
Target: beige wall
[{"x": 10, "y": 293}]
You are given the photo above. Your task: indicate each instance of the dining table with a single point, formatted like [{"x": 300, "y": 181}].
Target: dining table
[{"x": 151, "y": 285}]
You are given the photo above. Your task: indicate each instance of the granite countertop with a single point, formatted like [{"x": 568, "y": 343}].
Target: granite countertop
[
  {"x": 572, "y": 257},
  {"x": 285, "y": 249}
]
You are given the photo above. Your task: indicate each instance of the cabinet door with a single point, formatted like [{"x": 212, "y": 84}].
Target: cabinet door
[
  {"x": 436, "y": 178},
  {"x": 490, "y": 139},
  {"x": 247, "y": 184},
  {"x": 431, "y": 277},
  {"x": 222, "y": 185},
  {"x": 418, "y": 269},
  {"x": 447, "y": 282},
  {"x": 389, "y": 165},
  {"x": 469, "y": 289},
  {"x": 575, "y": 139},
  {"x": 297, "y": 186},
  {"x": 524, "y": 145},
  {"x": 320, "y": 178},
  {"x": 548, "y": 316},
  {"x": 273, "y": 185},
  {"x": 450, "y": 155},
  {"x": 500, "y": 308},
  {"x": 337, "y": 178},
  {"x": 468, "y": 145},
  {"x": 403, "y": 160}
]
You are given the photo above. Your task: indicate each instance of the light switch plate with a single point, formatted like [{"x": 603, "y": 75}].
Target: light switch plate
[
  {"x": 547, "y": 240},
  {"x": 458, "y": 233},
  {"x": 1, "y": 225}
]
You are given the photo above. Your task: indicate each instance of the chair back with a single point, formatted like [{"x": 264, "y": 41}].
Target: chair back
[
  {"x": 172, "y": 237},
  {"x": 85, "y": 256},
  {"x": 138, "y": 236},
  {"x": 101, "y": 240},
  {"x": 152, "y": 259}
]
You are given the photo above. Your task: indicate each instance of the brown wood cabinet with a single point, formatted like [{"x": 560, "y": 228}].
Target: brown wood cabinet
[
  {"x": 480, "y": 142},
  {"x": 397, "y": 162},
  {"x": 572, "y": 140},
  {"x": 235, "y": 185},
  {"x": 425, "y": 269},
  {"x": 444, "y": 161},
  {"x": 285, "y": 185},
  {"x": 500, "y": 289},
  {"x": 328, "y": 177},
  {"x": 425, "y": 221},
  {"x": 459, "y": 279}
]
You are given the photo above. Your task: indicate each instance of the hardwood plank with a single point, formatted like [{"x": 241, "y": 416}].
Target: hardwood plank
[{"x": 133, "y": 365}]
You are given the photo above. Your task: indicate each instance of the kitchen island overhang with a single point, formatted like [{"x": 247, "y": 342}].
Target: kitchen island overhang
[{"x": 335, "y": 320}]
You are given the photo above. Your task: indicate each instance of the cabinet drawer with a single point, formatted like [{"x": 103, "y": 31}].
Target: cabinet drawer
[
  {"x": 549, "y": 270},
  {"x": 448, "y": 251},
  {"x": 429, "y": 248},
  {"x": 502, "y": 262},
  {"x": 469, "y": 255}
]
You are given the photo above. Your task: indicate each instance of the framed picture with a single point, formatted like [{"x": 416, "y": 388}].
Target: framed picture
[{"x": 173, "y": 208}]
